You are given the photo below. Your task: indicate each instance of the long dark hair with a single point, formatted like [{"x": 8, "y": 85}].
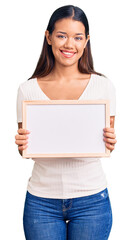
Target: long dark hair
[{"x": 46, "y": 60}]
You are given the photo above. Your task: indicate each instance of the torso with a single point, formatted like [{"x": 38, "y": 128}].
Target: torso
[{"x": 70, "y": 90}]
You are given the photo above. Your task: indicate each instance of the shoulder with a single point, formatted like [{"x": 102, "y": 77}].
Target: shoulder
[
  {"x": 26, "y": 84},
  {"x": 27, "y": 89},
  {"x": 100, "y": 78},
  {"x": 103, "y": 81}
]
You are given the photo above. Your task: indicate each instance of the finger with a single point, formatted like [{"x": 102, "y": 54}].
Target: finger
[
  {"x": 22, "y": 147},
  {"x": 21, "y": 137},
  {"x": 23, "y": 131},
  {"x": 111, "y": 120},
  {"x": 111, "y": 130},
  {"x": 109, "y": 140},
  {"x": 21, "y": 142},
  {"x": 109, "y": 146},
  {"x": 110, "y": 135}
]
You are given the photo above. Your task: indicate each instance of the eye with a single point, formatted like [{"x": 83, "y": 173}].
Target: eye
[
  {"x": 61, "y": 36},
  {"x": 78, "y": 38}
]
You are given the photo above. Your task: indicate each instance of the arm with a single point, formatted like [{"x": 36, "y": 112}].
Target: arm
[
  {"x": 20, "y": 126},
  {"x": 109, "y": 135},
  {"x": 21, "y": 138}
]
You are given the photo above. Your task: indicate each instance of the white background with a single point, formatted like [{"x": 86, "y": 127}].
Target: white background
[{"x": 23, "y": 24}]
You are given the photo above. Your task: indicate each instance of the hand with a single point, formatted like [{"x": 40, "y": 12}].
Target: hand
[
  {"x": 22, "y": 138},
  {"x": 109, "y": 136}
]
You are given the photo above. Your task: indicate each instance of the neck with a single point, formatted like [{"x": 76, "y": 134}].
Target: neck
[{"x": 65, "y": 73}]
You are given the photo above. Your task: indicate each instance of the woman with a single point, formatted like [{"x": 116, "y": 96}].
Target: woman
[{"x": 67, "y": 198}]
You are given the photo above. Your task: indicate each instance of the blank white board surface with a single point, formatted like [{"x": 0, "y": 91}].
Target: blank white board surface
[{"x": 66, "y": 128}]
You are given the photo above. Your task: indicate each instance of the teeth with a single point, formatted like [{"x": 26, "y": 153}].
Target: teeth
[{"x": 67, "y": 53}]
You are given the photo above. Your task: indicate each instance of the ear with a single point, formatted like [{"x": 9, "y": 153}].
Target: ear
[
  {"x": 88, "y": 37},
  {"x": 48, "y": 37}
]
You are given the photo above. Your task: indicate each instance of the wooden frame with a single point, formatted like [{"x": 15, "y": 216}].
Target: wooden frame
[{"x": 66, "y": 128}]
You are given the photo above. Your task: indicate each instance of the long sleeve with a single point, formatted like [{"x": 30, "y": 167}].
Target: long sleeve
[
  {"x": 111, "y": 91},
  {"x": 20, "y": 98}
]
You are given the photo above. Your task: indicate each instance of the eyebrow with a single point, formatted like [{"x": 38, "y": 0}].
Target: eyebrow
[{"x": 75, "y": 33}]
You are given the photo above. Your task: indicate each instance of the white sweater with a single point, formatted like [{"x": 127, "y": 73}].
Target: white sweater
[{"x": 65, "y": 178}]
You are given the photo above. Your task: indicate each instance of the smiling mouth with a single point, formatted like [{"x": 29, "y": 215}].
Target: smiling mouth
[{"x": 67, "y": 54}]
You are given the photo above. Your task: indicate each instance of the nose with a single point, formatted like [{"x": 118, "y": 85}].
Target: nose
[{"x": 68, "y": 43}]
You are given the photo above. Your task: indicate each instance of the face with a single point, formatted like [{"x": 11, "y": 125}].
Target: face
[{"x": 68, "y": 41}]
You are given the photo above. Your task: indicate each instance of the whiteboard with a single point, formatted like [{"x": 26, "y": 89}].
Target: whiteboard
[{"x": 66, "y": 128}]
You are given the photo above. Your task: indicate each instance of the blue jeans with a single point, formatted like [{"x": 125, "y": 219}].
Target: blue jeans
[{"x": 80, "y": 218}]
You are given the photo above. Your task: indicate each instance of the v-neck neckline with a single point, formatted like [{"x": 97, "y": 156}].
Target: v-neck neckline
[{"x": 87, "y": 86}]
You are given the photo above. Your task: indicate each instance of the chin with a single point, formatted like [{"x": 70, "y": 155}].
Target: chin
[{"x": 67, "y": 62}]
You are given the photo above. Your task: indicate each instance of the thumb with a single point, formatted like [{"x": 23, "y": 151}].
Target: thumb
[{"x": 111, "y": 122}]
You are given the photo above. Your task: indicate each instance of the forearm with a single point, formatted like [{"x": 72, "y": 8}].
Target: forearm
[{"x": 20, "y": 152}]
